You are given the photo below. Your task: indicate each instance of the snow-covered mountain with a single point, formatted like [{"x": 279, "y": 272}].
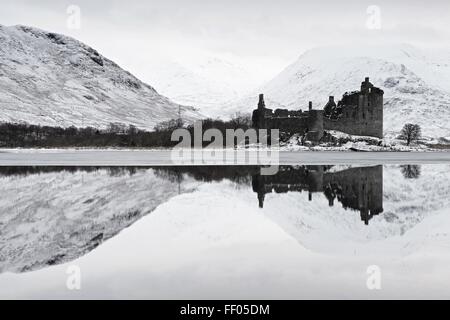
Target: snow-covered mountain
[
  {"x": 51, "y": 79},
  {"x": 416, "y": 83},
  {"x": 205, "y": 81}
]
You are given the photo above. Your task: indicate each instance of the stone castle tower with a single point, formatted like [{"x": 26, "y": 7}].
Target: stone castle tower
[{"x": 358, "y": 113}]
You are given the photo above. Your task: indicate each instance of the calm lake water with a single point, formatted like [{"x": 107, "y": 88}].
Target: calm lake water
[{"x": 334, "y": 231}]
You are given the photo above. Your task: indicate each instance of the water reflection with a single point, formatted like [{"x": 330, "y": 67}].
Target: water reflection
[
  {"x": 52, "y": 215},
  {"x": 410, "y": 171},
  {"x": 212, "y": 232},
  {"x": 356, "y": 188}
]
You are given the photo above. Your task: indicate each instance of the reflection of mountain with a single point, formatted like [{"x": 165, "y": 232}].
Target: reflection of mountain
[
  {"x": 55, "y": 215},
  {"x": 415, "y": 216},
  {"x": 52, "y": 215},
  {"x": 355, "y": 188}
]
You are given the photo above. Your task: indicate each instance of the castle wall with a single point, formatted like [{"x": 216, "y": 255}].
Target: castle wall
[
  {"x": 290, "y": 125},
  {"x": 293, "y": 122},
  {"x": 315, "y": 125},
  {"x": 361, "y": 115},
  {"x": 351, "y": 123}
]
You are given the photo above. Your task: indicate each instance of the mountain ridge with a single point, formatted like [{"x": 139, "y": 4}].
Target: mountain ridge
[{"x": 52, "y": 79}]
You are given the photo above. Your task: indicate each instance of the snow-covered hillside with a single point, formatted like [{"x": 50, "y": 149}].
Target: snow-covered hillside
[
  {"x": 51, "y": 79},
  {"x": 416, "y": 83}
]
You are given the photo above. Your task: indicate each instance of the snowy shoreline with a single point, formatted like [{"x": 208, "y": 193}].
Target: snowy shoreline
[{"x": 285, "y": 148}]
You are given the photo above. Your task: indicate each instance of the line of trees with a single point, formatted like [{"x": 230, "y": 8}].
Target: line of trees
[
  {"x": 239, "y": 174},
  {"x": 20, "y": 135},
  {"x": 35, "y": 136}
]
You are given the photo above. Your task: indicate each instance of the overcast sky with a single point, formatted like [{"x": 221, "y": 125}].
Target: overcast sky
[{"x": 131, "y": 32}]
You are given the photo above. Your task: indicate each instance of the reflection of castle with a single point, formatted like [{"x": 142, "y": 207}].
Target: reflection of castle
[
  {"x": 355, "y": 188},
  {"x": 358, "y": 113}
]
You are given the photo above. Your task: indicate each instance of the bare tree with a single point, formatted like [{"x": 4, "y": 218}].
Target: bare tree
[
  {"x": 410, "y": 171},
  {"x": 241, "y": 120},
  {"x": 410, "y": 132},
  {"x": 116, "y": 128},
  {"x": 132, "y": 130},
  {"x": 169, "y": 125}
]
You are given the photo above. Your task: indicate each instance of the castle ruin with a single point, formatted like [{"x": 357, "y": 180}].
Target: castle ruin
[{"x": 357, "y": 113}]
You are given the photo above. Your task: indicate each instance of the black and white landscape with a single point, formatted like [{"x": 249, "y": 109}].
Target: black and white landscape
[
  {"x": 54, "y": 80},
  {"x": 97, "y": 203}
]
